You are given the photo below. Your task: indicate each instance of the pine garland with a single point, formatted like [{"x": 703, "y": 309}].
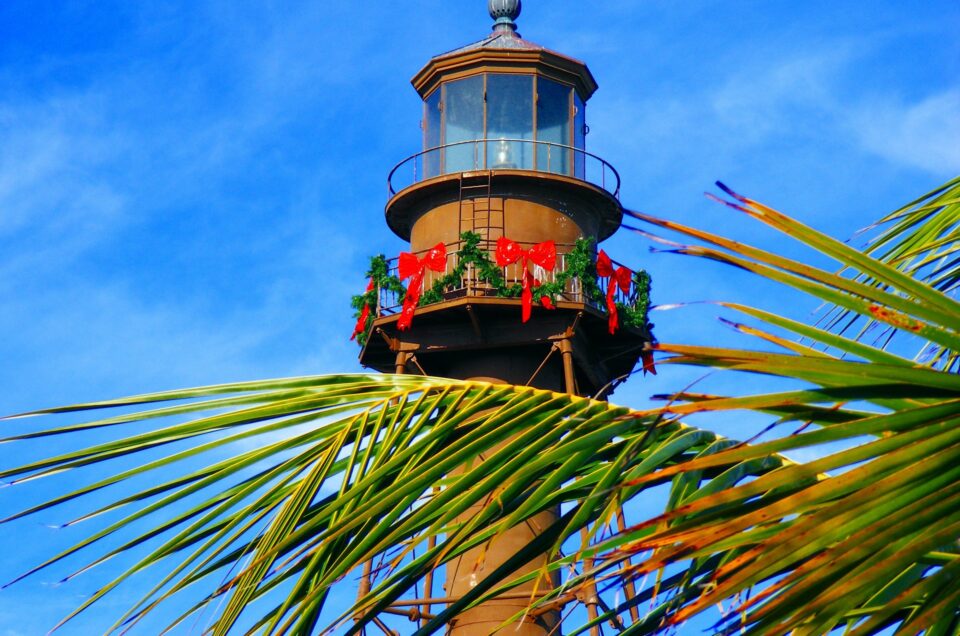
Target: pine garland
[
  {"x": 379, "y": 272},
  {"x": 580, "y": 264},
  {"x": 638, "y": 313}
]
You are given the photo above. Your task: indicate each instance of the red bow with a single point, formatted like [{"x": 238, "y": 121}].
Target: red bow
[
  {"x": 542, "y": 254},
  {"x": 414, "y": 268},
  {"x": 621, "y": 278},
  {"x": 361, "y": 325}
]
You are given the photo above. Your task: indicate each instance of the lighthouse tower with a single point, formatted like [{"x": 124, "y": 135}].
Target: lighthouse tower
[{"x": 505, "y": 280}]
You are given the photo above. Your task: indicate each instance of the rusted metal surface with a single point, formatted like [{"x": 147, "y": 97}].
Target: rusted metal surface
[
  {"x": 365, "y": 583},
  {"x": 588, "y": 595},
  {"x": 515, "y": 218},
  {"x": 505, "y": 52},
  {"x": 629, "y": 587},
  {"x": 569, "y": 373},
  {"x": 428, "y": 580},
  {"x": 446, "y": 343}
]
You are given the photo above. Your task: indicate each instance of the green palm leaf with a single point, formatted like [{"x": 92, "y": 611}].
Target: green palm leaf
[
  {"x": 335, "y": 472},
  {"x": 864, "y": 538},
  {"x": 921, "y": 239}
]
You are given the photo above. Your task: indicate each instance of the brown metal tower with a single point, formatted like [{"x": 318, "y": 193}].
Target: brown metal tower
[{"x": 504, "y": 172}]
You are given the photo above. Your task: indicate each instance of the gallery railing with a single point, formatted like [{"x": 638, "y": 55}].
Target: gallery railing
[
  {"x": 504, "y": 154},
  {"x": 473, "y": 285}
]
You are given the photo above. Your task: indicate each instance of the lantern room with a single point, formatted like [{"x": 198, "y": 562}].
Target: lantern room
[
  {"x": 504, "y": 103},
  {"x": 513, "y": 112}
]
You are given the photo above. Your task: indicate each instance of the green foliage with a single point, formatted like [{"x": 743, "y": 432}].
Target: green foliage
[
  {"x": 637, "y": 315},
  {"x": 470, "y": 254},
  {"x": 921, "y": 239},
  {"x": 379, "y": 273},
  {"x": 862, "y": 539},
  {"x": 277, "y": 490}
]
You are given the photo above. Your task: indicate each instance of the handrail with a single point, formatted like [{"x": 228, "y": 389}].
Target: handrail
[
  {"x": 489, "y": 246},
  {"x": 482, "y": 164}
]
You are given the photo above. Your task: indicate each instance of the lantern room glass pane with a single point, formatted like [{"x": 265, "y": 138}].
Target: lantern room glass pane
[
  {"x": 510, "y": 121},
  {"x": 431, "y": 135},
  {"x": 553, "y": 126},
  {"x": 580, "y": 135},
  {"x": 463, "y": 122}
]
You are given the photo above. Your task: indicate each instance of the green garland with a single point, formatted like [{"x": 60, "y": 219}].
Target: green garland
[
  {"x": 637, "y": 315},
  {"x": 379, "y": 273},
  {"x": 580, "y": 264}
]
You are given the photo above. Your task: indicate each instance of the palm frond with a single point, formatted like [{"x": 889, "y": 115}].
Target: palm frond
[
  {"x": 921, "y": 239},
  {"x": 316, "y": 477},
  {"x": 873, "y": 542}
]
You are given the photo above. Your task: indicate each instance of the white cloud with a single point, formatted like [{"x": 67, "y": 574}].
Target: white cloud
[
  {"x": 757, "y": 104},
  {"x": 771, "y": 99},
  {"x": 785, "y": 104},
  {"x": 923, "y": 134},
  {"x": 86, "y": 168}
]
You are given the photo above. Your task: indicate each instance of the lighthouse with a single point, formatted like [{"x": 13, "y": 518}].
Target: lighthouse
[{"x": 505, "y": 279}]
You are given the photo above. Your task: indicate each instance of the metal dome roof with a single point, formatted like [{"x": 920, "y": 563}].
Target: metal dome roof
[{"x": 505, "y": 46}]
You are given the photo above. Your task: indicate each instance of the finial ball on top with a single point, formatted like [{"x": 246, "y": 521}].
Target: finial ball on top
[{"x": 509, "y": 9}]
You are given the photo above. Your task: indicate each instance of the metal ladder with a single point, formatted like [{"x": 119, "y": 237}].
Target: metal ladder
[
  {"x": 479, "y": 214},
  {"x": 478, "y": 211}
]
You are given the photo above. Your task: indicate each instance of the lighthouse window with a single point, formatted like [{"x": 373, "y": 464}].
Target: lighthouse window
[
  {"x": 431, "y": 135},
  {"x": 553, "y": 126},
  {"x": 503, "y": 121},
  {"x": 510, "y": 121},
  {"x": 463, "y": 122},
  {"x": 579, "y": 134}
]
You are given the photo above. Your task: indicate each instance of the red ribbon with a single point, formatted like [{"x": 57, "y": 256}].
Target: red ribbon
[
  {"x": 542, "y": 254},
  {"x": 621, "y": 277},
  {"x": 648, "y": 366},
  {"x": 415, "y": 268},
  {"x": 361, "y": 325}
]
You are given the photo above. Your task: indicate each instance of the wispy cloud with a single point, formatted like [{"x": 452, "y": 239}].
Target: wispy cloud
[
  {"x": 805, "y": 107},
  {"x": 924, "y": 134},
  {"x": 54, "y": 196},
  {"x": 91, "y": 172},
  {"x": 775, "y": 100}
]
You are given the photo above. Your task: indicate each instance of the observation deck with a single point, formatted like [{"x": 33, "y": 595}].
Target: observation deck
[{"x": 472, "y": 304}]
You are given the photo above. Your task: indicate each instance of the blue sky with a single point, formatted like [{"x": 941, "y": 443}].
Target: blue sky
[{"x": 190, "y": 191}]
